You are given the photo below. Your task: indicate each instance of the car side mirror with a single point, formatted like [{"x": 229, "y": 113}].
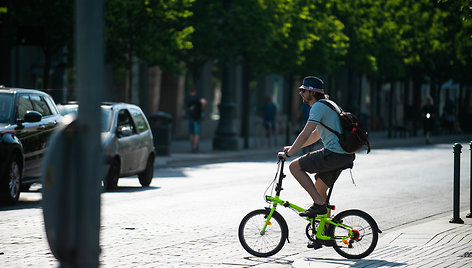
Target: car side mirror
[
  {"x": 124, "y": 131},
  {"x": 32, "y": 116}
]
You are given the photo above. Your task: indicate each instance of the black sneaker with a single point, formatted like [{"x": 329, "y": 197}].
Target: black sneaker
[
  {"x": 314, "y": 244},
  {"x": 314, "y": 210}
]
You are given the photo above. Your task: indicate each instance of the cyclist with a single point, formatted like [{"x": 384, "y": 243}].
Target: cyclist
[{"x": 327, "y": 162}]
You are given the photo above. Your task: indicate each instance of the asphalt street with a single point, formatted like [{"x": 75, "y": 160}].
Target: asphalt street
[{"x": 190, "y": 215}]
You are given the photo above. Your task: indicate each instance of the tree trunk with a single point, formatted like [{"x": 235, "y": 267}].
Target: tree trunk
[
  {"x": 390, "y": 110},
  {"x": 129, "y": 72},
  {"x": 416, "y": 104},
  {"x": 245, "y": 106}
]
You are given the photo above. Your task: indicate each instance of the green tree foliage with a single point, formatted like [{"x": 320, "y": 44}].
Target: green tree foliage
[
  {"x": 276, "y": 36},
  {"x": 358, "y": 19},
  {"x": 152, "y": 31},
  {"x": 460, "y": 26},
  {"x": 323, "y": 41},
  {"x": 206, "y": 20},
  {"x": 387, "y": 40}
]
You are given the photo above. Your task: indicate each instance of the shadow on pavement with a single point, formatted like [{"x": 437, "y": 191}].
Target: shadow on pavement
[
  {"x": 129, "y": 189},
  {"x": 21, "y": 204},
  {"x": 355, "y": 262},
  {"x": 268, "y": 260}
]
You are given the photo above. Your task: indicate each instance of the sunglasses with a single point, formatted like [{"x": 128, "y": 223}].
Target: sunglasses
[{"x": 302, "y": 90}]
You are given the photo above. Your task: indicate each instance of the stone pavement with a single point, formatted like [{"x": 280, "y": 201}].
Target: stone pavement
[{"x": 431, "y": 243}]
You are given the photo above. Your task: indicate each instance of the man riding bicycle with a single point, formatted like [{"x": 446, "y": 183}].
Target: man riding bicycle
[{"x": 328, "y": 162}]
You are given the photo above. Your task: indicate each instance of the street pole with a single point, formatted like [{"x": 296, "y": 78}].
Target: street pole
[
  {"x": 90, "y": 85},
  {"x": 456, "y": 191},
  {"x": 470, "y": 185}
]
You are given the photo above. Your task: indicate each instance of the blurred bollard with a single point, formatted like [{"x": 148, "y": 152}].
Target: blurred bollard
[
  {"x": 161, "y": 126},
  {"x": 470, "y": 185},
  {"x": 456, "y": 191}
]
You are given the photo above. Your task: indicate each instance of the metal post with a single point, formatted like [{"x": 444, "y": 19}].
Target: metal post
[
  {"x": 470, "y": 185},
  {"x": 456, "y": 191},
  {"x": 90, "y": 85}
]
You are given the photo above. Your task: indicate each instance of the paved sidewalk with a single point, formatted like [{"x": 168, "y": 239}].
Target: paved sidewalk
[
  {"x": 431, "y": 243},
  {"x": 180, "y": 154}
]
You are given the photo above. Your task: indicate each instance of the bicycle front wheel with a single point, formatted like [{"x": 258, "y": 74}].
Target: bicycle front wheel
[
  {"x": 357, "y": 235},
  {"x": 258, "y": 243}
]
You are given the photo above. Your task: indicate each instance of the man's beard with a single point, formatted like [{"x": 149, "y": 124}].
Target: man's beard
[{"x": 308, "y": 98}]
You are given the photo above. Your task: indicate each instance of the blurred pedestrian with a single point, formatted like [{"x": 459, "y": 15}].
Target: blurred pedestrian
[
  {"x": 269, "y": 111},
  {"x": 194, "y": 106},
  {"x": 429, "y": 116},
  {"x": 449, "y": 118}
]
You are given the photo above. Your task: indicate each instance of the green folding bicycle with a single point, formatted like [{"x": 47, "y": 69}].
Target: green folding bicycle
[{"x": 352, "y": 233}]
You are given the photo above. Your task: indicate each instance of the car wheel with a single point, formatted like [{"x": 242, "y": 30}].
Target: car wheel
[
  {"x": 113, "y": 175},
  {"x": 145, "y": 177},
  {"x": 13, "y": 182}
]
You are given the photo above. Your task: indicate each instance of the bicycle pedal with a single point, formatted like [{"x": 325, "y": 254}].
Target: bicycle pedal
[{"x": 314, "y": 245}]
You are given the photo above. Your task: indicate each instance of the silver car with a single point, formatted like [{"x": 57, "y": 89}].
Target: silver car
[{"x": 127, "y": 141}]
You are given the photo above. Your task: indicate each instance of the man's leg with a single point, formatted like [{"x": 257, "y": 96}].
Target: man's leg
[
  {"x": 192, "y": 140},
  {"x": 306, "y": 182},
  {"x": 196, "y": 140},
  {"x": 197, "y": 135},
  {"x": 321, "y": 189}
]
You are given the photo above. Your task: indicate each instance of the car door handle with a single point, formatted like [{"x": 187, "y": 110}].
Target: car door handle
[{"x": 42, "y": 127}]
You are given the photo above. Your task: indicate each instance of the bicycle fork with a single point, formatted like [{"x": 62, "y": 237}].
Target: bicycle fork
[{"x": 268, "y": 217}]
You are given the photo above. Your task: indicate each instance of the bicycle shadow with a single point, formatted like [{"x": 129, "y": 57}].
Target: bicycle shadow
[
  {"x": 356, "y": 262},
  {"x": 268, "y": 260},
  {"x": 130, "y": 189}
]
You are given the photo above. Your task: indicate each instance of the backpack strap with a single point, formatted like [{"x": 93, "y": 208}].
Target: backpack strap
[
  {"x": 334, "y": 109},
  {"x": 331, "y": 106},
  {"x": 334, "y": 131}
]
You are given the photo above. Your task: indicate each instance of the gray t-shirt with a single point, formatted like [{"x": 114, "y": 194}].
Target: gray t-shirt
[{"x": 320, "y": 112}]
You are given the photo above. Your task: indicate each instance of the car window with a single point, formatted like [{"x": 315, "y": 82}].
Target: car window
[
  {"x": 139, "y": 120},
  {"x": 40, "y": 105},
  {"x": 125, "y": 121},
  {"x": 5, "y": 108},
  {"x": 52, "y": 105},
  {"x": 24, "y": 104},
  {"x": 106, "y": 119}
]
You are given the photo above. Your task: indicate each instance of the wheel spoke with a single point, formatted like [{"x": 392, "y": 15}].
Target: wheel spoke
[
  {"x": 358, "y": 240},
  {"x": 256, "y": 243}
]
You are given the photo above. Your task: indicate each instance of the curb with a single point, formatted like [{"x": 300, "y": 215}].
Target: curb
[{"x": 181, "y": 157}]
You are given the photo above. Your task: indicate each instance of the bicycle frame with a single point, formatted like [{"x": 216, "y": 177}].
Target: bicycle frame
[{"x": 323, "y": 219}]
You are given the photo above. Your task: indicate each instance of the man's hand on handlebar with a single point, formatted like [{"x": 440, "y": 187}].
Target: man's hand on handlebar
[{"x": 284, "y": 155}]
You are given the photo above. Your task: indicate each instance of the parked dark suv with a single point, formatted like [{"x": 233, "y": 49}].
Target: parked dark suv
[{"x": 27, "y": 119}]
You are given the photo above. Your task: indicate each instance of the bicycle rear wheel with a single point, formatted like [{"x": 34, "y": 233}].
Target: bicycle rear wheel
[
  {"x": 362, "y": 239},
  {"x": 262, "y": 244}
]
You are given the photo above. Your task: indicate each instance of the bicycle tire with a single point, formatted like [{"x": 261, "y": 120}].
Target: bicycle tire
[
  {"x": 267, "y": 244},
  {"x": 367, "y": 234}
]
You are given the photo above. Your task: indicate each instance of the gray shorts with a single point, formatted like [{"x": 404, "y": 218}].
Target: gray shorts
[{"x": 326, "y": 164}]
